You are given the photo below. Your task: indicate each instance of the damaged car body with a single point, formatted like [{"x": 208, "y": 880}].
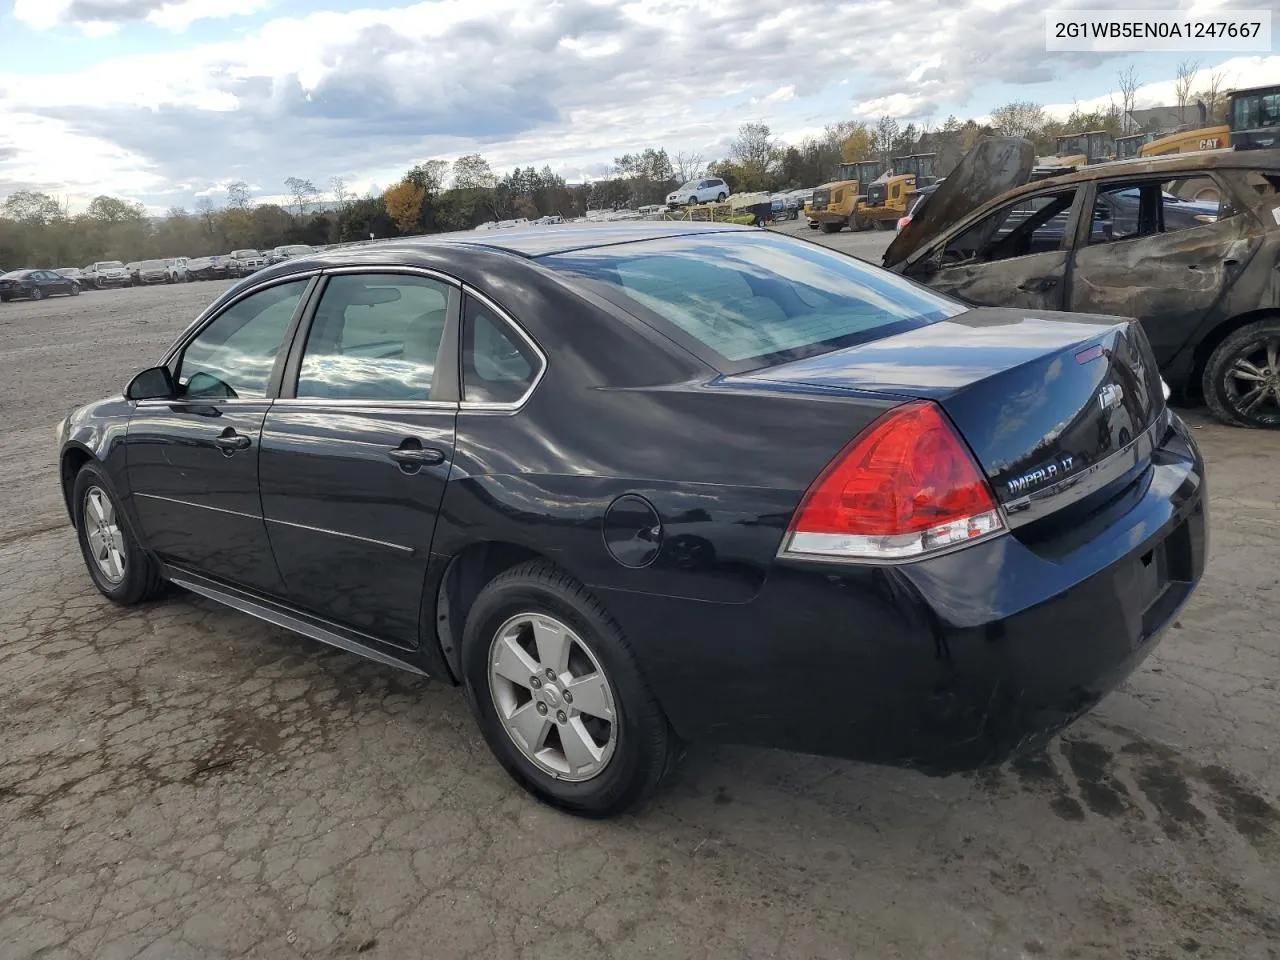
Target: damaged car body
[{"x": 1115, "y": 239}]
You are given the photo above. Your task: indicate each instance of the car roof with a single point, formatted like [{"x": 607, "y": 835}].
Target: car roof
[
  {"x": 540, "y": 242},
  {"x": 1170, "y": 163}
]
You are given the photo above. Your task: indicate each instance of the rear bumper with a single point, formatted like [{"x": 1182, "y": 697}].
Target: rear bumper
[{"x": 942, "y": 665}]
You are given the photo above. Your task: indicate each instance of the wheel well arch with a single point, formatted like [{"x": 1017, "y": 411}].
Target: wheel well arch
[
  {"x": 72, "y": 462},
  {"x": 1209, "y": 342},
  {"x": 469, "y": 572}
]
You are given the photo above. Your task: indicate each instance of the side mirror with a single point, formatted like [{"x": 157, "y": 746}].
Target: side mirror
[{"x": 153, "y": 384}]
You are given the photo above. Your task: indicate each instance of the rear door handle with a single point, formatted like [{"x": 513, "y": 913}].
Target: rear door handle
[{"x": 230, "y": 441}]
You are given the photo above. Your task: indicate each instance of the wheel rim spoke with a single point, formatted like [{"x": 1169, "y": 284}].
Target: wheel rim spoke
[
  {"x": 553, "y": 644},
  {"x": 591, "y": 696},
  {"x": 530, "y": 726},
  {"x": 1252, "y": 400},
  {"x": 1244, "y": 370},
  {"x": 511, "y": 662},
  {"x": 580, "y": 750},
  {"x": 97, "y": 543},
  {"x": 1273, "y": 355}
]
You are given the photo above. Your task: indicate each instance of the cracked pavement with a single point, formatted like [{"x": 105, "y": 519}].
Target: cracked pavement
[{"x": 179, "y": 781}]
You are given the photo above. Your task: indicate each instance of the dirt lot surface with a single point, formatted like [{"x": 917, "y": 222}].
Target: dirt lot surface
[{"x": 181, "y": 782}]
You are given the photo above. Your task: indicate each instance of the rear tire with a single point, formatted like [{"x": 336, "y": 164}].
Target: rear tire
[
  {"x": 75, "y": 290},
  {"x": 37, "y": 293},
  {"x": 832, "y": 227},
  {"x": 121, "y": 570},
  {"x": 720, "y": 197},
  {"x": 639, "y": 746},
  {"x": 1246, "y": 361}
]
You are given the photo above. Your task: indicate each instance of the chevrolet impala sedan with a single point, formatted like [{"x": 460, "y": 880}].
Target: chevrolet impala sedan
[{"x": 637, "y": 484}]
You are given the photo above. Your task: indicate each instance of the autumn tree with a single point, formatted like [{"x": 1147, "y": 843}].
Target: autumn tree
[
  {"x": 1214, "y": 98},
  {"x": 302, "y": 191},
  {"x": 885, "y": 135},
  {"x": 1183, "y": 84},
  {"x": 340, "y": 191},
  {"x": 688, "y": 166},
  {"x": 856, "y": 146},
  {"x": 472, "y": 172},
  {"x": 31, "y": 207},
  {"x": 1128, "y": 83},
  {"x": 404, "y": 204},
  {"x": 1018, "y": 118},
  {"x": 238, "y": 195}
]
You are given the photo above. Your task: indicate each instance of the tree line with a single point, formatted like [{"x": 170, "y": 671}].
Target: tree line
[{"x": 436, "y": 195}]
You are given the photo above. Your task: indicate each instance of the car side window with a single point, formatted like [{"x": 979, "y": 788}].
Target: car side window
[
  {"x": 497, "y": 365},
  {"x": 1133, "y": 210},
  {"x": 375, "y": 337},
  {"x": 1033, "y": 225},
  {"x": 233, "y": 356}
]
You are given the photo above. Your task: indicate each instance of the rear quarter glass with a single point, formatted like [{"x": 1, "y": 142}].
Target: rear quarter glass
[{"x": 741, "y": 301}]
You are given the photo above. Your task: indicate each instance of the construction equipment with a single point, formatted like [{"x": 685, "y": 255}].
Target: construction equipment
[
  {"x": 1079, "y": 149},
  {"x": 1253, "y": 115},
  {"x": 832, "y": 205},
  {"x": 887, "y": 198},
  {"x": 1129, "y": 147}
]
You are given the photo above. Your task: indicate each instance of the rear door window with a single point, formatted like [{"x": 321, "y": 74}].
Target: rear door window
[
  {"x": 741, "y": 301},
  {"x": 498, "y": 365},
  {"x": 375, "y": 337}
]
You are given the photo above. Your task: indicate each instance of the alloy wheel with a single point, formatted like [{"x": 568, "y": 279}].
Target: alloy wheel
[
  {"x": 552, "y": 697},
  {"x": 103, "y": 533},
  {"x": 1252, "y": 382}
]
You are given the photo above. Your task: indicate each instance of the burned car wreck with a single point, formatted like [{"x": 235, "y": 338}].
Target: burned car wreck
[{"x": 1117, "y": 239}]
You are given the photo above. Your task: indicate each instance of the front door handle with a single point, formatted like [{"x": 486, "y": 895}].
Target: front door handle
[
  {"x": 1038, "y": 284},
  {"x": 412, "y": 455},
  {"x": 230, "y": 441}
]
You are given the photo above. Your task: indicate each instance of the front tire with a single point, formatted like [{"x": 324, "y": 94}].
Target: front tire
[
  {"x": 558, "y": 695},
  {"x": 1241, "y": 381},
  {"x": 828, "y": 227},
  {"x": 119, "y": 567},
  {"x": 720, "y": 197},
  {"x": 75, "y": 290}
]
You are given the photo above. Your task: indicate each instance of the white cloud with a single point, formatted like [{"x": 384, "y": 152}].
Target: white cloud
[
  {"x": 365, "y": 93},
  {"x": 101, "y": 17},
  {"x": 1238, "y": 72}
]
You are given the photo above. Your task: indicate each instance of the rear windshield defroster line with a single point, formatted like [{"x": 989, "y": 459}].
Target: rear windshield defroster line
[{"x": 747, "y": 300}]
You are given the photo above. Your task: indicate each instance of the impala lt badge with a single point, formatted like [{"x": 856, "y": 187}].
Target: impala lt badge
[{"x": 1049, "y": 473}]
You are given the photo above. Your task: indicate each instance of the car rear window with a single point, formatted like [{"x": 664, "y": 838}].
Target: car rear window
[{"x": 745, "y": 300}]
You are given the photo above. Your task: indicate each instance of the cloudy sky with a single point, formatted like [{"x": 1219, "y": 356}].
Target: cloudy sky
[{"x": 165, "y": 101}]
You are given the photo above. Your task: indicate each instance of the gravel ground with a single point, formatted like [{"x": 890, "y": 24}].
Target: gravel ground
[{"x": 181, "y": 782}]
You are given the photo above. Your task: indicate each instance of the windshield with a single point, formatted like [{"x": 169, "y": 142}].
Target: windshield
[
  {"x": 154, "y": 264},
  {"x": 14, "y": 274},
  {"x": 110, "y": 265},
  {"x": 240, "y": 254},
  {"x": 301, "y": 248},
  {"x": 745, "y": 300},
  {"x": 1258, "y": 110}
]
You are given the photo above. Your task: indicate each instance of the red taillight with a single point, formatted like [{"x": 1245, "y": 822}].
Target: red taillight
[
  {"x": 905, "y": 487},
  {"x": 903, "y": 221}
]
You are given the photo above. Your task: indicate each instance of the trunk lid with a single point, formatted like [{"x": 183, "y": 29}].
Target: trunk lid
[
  {"x": 995, "y": 166},
  {"x": 1040, "y": 400}
]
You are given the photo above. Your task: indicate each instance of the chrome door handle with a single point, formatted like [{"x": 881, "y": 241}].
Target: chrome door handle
[
  {"x": 416, "y": 456},
  {"x": 230, "y": 442}
]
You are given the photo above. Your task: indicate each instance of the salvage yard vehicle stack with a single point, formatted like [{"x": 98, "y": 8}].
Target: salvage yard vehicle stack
[{"x": 1111, "y": 238}]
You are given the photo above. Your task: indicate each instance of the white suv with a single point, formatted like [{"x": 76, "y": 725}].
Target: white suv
[
  {"x": 177, "y": 269},
  {"x": 699, "y": 191}
]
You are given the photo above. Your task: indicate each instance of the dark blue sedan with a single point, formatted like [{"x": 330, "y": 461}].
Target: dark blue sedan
[
  {"x": 637, "y": 484},
  {"x": 35, "y": 285}
]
